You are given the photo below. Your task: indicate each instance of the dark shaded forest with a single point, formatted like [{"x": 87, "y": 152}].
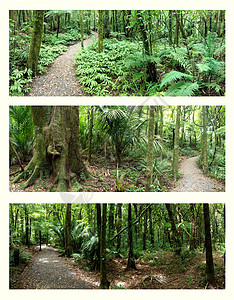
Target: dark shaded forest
[
  {"x": 118, "y": 246},
  {"x": 117, "y": 148},
  {"x": 137, "y": 52}
]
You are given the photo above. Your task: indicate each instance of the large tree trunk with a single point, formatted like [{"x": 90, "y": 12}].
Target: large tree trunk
[
  {"x": 67, "y": 232},
  {"x": 208, "y": 245},
  {"x": 56, "y": 149},
  {"x": 36, "y": 39}
]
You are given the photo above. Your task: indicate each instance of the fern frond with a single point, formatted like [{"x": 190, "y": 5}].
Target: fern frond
[
  {"x": 173, "y": 76},
  {"x": 182, "y": 88}
]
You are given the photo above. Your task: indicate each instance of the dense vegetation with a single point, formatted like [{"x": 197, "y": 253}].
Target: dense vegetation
[
  {"x": 149, "y": 52},
  {"x": 169, "y": 238},
  {"x": 119, "y": 145}
]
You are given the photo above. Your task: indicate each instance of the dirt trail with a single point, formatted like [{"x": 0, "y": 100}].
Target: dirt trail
[
  {"x": 49, "y": 271},
  {"x": 193, "y": 180},
  {"x": 60, "y": 78}
]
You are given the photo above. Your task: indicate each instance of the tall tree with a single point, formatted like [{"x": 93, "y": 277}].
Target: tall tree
[
  {"x": 210, "y": 276},
  {"x": 67, "y": 232},
  {"x": 176, "y": 144},
  {"x": 204, "y": 140},
  {"x": 36, "y": 39},
  {"x": 81, "y": 29},
  {"x": 104, "y": 283},
  {"x": 131, "y": 261},
  {"x": 100, "y": 31},
  {"x": 150, "y": 153}
]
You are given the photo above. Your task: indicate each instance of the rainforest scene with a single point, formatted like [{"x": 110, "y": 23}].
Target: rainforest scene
[
  {"x": 117, "y": 148},
  {"x": 117, "y": 53},
  {"x": 117, "y": 246}
]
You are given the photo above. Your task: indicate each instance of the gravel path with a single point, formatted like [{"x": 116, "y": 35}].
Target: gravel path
[
  {"x": 60, "y": 78},
  {"x": 193, "y": 180},
  {"x": 48, "y": 271}
]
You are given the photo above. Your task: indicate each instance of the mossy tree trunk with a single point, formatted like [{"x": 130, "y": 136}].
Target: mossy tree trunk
[
  {"x": 81, "y": 29},
  {"x": 36, "y": 39},
  {"x": 100, "y": 31},
  {"x": 104, "y": 283},
  {"x": 176, "y": 144},
  {"x": 192, "y": 234},
  {"x": 91, "y": 117},
  {"x": 67, "y": 232},
  {"x": 150, "y": 154},
  {"x": 204, "y": 140},
  {"x": 56, "y": 148},
  {"x": 119, "y": 226}
]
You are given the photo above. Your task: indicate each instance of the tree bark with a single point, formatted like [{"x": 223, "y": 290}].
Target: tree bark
[
  {"x": 56, "y": 149},
  {"x": 81, "y": 29},
  {"x": 192, "y": 237},
  {"x": 36, "y": 39}
]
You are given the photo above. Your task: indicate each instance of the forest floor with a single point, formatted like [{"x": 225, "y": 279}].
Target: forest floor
[
  {"x": 104, "y": 175},
  {"x": 60, "y": 78},
  {"x": 162, "y": 270},
  {"x": 193, "y": 180}
]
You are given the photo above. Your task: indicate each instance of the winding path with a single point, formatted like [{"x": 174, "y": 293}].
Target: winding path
[
  {"x": 193, "y": 180},
  {"x": 49, "y": 271},
  {"x": 60, "y": 78}
]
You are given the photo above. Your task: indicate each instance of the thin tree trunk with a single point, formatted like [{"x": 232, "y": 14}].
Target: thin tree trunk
[
  {"x": 81, "y": 29},
  {"x": 131, "y": 260},
  {"x": 176, "y": 145},
  {"x": 100, "y": 31},
  {"x": 150, "y": 154},
  {"x": 104, "y": 283}
]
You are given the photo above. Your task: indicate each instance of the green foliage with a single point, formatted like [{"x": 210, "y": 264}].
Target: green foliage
[
  {"x": 21, "y": 131},
  {"x": 18, "y": 82}
]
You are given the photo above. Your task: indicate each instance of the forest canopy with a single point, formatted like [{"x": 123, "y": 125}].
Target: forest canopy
[
  {"x": 137, "y": 53},
  {"x": 160, "y": 246},
  {"x": 115, "y": 148}
]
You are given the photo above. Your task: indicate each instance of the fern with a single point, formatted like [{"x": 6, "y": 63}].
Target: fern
[
  {"x": 182, "y": 88},
  {"x": 173, "y": 76}
]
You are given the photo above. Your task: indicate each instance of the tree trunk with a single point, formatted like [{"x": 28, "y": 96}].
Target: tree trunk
[
  {"x": 150, "y": 154},
  {"x": 175, "y": 233},
  {"x": 100, "y": 31},
  {"x": 99, "y": 221},
  {"x": 131, "y": 260},
  {"x": 36, "y": 39},
  {"x": 151, "y": 227},
  {"x": 176, "y": 145},
  {"x": 208, "y": 245},
  {"x": 192, "y": 237},
  {"x": 81, "y": 29},
  {"x": 145, "y": 230},
  {"x": 90, "y": 134},
  {"x": 27, "y": 239},
  {"x": 119, "y": 226},
  {"x": 67, "y": 232},
  {"x": 56, "y": 148},
  {"x": 104, "y": 283},
  {"x": 204, "y": 140},
  {"x": 151, "y": 67}
]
